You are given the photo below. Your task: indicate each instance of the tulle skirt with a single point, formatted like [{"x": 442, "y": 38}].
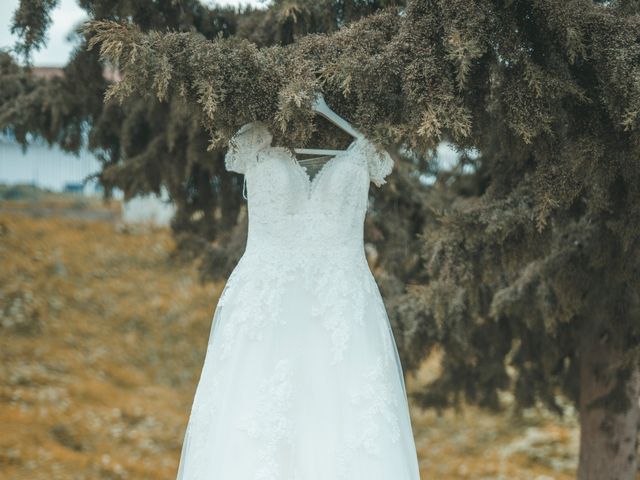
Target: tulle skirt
[{"x": 301, "y": 381}]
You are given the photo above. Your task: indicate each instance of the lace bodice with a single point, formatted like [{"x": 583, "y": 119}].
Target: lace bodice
[
  {"x": 290, "y": 212},
  {"x": 309, "y": 229}
]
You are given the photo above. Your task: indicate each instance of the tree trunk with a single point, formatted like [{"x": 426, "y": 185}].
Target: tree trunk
[{"x": 608, "y": 437}]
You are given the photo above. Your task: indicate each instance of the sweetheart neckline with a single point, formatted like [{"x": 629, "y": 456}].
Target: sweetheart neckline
[{"x": 311, "y": 183}]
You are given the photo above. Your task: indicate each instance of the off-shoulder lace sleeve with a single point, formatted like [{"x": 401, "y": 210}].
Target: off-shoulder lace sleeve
[
  {"x": 380, "y": 165},
  {"x": 245, "y": 145}
]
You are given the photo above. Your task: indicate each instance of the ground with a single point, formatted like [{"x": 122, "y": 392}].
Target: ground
[{"x": 102, "y": 337}]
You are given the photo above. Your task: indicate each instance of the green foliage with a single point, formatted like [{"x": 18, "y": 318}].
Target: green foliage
[{"x": 30, "y": 22}]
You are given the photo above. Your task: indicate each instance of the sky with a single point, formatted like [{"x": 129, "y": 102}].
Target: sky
[{"x": 64, "y": 18}]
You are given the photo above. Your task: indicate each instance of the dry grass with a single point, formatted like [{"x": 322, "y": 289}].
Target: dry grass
[
  {"x": 474, "y": 444},
  {"x": 102, "y": 338}
]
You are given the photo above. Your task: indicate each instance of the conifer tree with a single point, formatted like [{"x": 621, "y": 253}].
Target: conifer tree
[{"x": 523, "y": 261}]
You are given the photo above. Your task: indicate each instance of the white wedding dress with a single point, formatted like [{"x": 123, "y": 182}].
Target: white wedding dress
[{"x": 301, "y": 379}]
